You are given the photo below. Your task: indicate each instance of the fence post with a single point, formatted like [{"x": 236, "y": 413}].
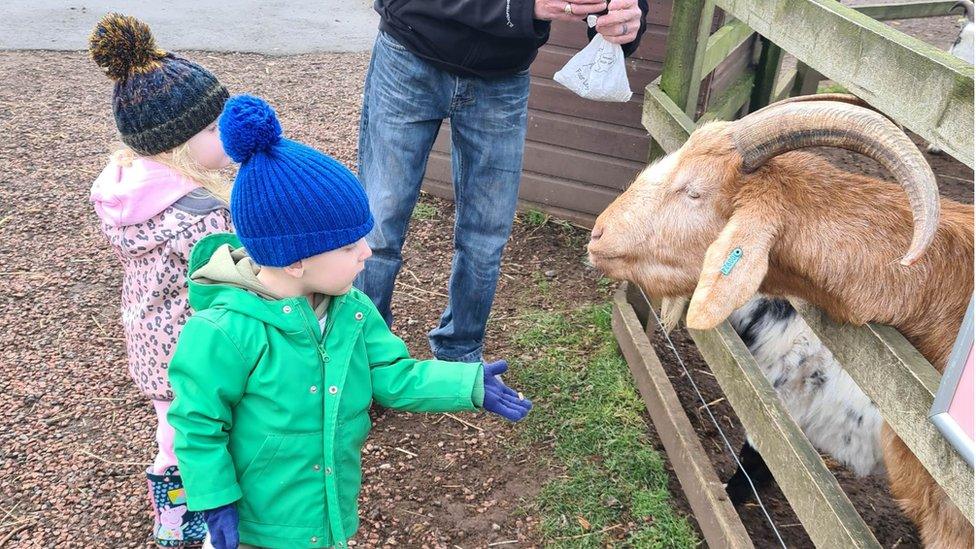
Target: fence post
[
  {"x": 807, "y": 80},
  {"x": 681, "y": 77},
  {"x": 683, "y": 58}
]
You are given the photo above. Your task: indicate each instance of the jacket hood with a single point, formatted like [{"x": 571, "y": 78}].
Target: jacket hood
[
  {"x": 126, "y": 195},
  {"x": 223, "y": 276}
]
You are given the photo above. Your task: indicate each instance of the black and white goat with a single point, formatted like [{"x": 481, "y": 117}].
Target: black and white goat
[{"x": 837, "y": 417}]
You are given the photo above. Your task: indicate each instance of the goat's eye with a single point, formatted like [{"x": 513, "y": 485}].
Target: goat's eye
[{"x": 692, "y": 193}]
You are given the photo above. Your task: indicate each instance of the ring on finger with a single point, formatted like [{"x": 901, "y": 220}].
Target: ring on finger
[
  {"x": 568, "y": 9},
  {"x": 623, "y": 29}
]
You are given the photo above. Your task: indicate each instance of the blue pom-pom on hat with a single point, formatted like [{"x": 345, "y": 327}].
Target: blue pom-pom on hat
[
  {"x": 248, "y": 125},
  {"x": 289, "y": 201}
]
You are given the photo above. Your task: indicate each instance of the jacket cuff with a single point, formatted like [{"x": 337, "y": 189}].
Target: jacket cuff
[
  {"x": 196, "y": 501},
  {"x": 478, "y": 393}
]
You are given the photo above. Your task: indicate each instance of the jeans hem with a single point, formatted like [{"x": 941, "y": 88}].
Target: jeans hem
[{"x": 474, "y": 356}]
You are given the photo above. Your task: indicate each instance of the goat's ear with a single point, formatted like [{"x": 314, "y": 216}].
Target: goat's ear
[{"x": 735, "y": 265}]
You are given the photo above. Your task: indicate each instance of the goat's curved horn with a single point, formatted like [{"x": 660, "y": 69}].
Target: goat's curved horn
[
  {"x": 765, "y": 134},
  {"x": 966, "y": 5}
]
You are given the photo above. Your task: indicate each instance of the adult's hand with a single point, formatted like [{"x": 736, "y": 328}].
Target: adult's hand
[
  {"x": 621, "y": 23},
  {"x": 574, "y": 10}
]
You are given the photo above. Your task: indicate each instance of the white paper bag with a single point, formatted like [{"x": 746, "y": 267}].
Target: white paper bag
[{"x": 597, "y": 72}]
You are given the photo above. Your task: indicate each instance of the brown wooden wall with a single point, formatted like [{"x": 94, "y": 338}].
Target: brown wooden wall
[{"x": 579, "y": 154}]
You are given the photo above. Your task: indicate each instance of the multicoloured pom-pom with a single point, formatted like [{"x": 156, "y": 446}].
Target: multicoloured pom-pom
[{"x": 122, "y": 45}]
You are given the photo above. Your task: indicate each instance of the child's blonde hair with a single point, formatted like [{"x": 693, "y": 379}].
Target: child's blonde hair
[{"x": 180, "y": 159}]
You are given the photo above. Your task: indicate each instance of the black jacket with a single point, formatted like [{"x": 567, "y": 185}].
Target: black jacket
[{"x": 486, "y": 38}]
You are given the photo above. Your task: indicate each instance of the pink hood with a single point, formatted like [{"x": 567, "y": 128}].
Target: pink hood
[{"x": 125, "y": 196}]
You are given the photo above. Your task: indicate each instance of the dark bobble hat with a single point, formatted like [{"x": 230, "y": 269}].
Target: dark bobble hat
[{"x": 160, "y": 100}]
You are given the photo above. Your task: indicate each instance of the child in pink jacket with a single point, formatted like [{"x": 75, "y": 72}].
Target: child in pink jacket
[{"x": 156, "y": 198}]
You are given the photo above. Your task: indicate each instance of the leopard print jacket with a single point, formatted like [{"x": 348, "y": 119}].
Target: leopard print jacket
[{"x": 155, "y": 256}]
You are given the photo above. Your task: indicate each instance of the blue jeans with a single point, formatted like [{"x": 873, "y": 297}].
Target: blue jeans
[{"x": 404, "y": 101}]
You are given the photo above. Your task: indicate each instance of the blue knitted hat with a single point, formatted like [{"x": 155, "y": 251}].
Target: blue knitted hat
[{"x": 289, "y": 200}]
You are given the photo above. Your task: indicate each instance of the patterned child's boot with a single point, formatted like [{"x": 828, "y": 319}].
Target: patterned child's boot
[{"x": 174, "y": 526}]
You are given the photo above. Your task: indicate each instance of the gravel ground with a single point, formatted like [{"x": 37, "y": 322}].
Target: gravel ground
[{"x": 75, "y": 432}]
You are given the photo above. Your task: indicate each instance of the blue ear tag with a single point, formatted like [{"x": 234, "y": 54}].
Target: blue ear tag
[{"x": 734, "y": 257}]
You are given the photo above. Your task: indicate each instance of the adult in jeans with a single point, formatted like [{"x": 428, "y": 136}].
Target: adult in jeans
[{"x": 468, "y": 61}]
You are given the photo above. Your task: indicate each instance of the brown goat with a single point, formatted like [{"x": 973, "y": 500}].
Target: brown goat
[{"x": 804, "y": 228}]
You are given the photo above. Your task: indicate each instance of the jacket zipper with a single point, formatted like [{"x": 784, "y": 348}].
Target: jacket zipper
[
  {"x": 319, "y": 342},
  {"x": 323, "y": 359}
]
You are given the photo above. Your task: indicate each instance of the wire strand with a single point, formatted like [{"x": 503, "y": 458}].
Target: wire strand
[{"x": 715, "y": 422}]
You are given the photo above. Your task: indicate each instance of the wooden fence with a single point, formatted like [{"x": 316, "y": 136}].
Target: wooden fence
[{"x": 921, "y": 87}]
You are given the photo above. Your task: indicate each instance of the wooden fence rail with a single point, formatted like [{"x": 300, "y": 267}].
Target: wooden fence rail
[
  {"x": 903, "y": 385},
  {"x": 920, "y": 86}
]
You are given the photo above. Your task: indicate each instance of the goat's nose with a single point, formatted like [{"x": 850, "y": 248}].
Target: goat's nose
[{"x": 596, "y": 233}]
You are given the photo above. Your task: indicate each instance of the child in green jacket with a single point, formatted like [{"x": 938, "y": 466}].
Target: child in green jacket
[{"x": 275, "y": 371}]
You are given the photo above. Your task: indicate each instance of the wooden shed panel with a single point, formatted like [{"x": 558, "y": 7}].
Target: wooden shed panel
[
  {"x": 659, "y": 12},
  {"x": 549, "y": 96},
  {"x": 444, "y": 190},
  {"x": 588, "y": 136},
  {"x": 536, "y": 188},
  {"x": 587, "y": 168},
  {"x": 652, "y": 45}
]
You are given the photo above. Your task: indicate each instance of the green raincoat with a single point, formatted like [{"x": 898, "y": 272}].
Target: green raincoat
[{"x": 271, "y": 414}]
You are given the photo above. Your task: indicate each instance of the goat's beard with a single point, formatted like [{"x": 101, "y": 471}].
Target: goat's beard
[{"x": 672, "y": 311}]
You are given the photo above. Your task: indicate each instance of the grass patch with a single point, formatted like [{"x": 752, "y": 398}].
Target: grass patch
[
  {"x": 423, "y": 212},
  {"x": 542, "y": 284},
  {"x": 574, "y": 236},
  {"x": 536, "y": 219},
  {"x": 588, "y": 410},
  {"x": 832, "y": 88}
]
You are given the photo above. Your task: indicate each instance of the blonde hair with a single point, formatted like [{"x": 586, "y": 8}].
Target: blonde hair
[{"x": 180, "y": 160}]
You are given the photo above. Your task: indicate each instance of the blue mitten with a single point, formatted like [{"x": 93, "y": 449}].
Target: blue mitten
[
  {"x": 222, "y": 524},
  {"x": 500, "y": 399}
]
